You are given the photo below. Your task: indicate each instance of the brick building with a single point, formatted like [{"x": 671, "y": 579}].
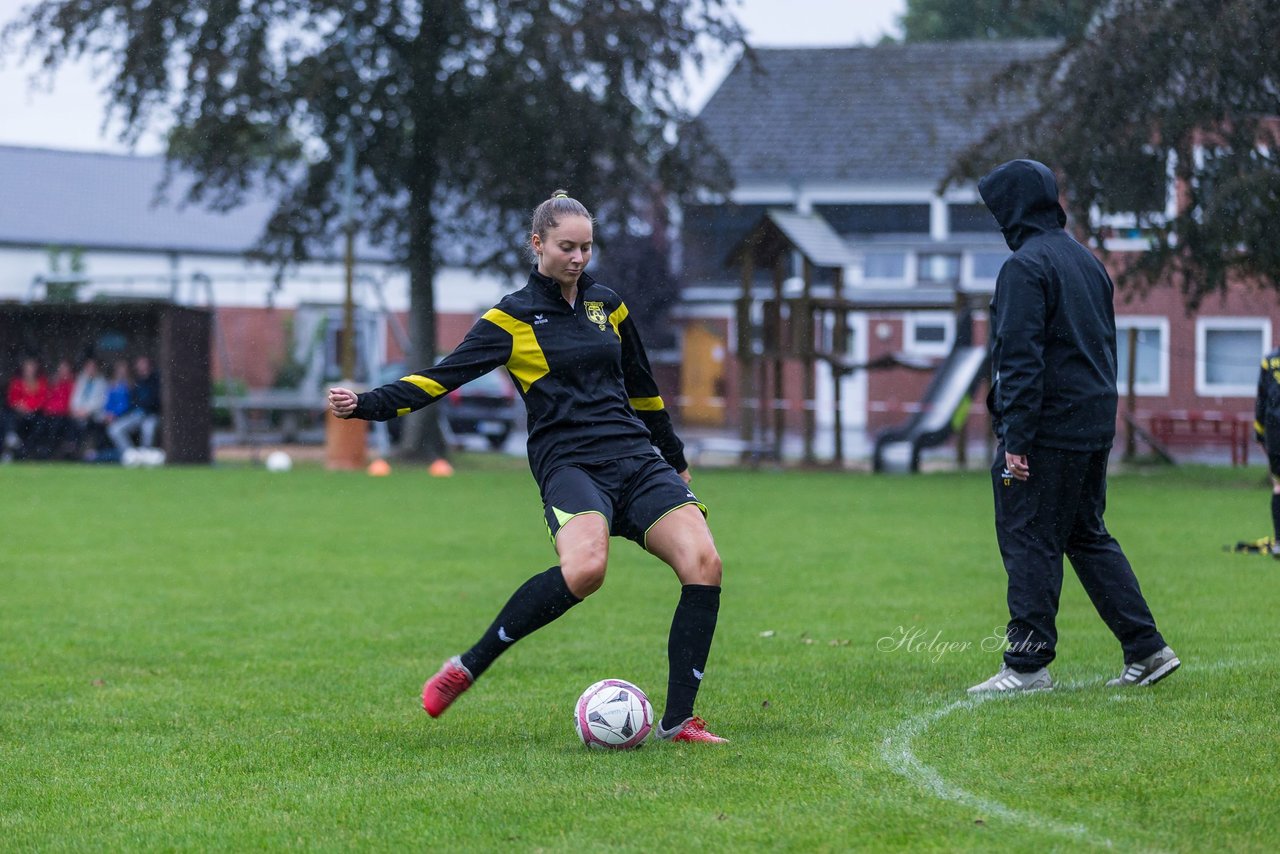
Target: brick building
[{"x": 861, "y": 138}]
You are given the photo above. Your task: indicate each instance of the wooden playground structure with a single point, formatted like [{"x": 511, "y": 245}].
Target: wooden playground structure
[{"x": 777, "y": 324}]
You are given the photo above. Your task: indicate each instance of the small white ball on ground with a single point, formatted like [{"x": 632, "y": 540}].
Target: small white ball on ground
[{"x": 279, "y": 461}]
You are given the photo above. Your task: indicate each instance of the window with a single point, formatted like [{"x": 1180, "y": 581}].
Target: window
[
  {"x": 1228, "y": 351},
  {"x": 936, "y": 268},
  {"x": 986, "y": 265},
  {"x": 972, "y": 219},
  {"x": 876, "y": 218},
  {"x": 884, "y": 265},
  {"x": 928, "y": 333},
  {"x": 1151, "y": 370},
  {"x": 710, "y": 232}
]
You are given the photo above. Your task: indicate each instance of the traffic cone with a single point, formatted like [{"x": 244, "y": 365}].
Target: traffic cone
[
  {"x": 379, "y": 468},
  {"x": 440, "y": 468}
]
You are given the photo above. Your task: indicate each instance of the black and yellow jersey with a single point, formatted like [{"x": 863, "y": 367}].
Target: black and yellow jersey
[
  {"x": 1266, "y": 417},
  {"x": 581, "y": 370}
]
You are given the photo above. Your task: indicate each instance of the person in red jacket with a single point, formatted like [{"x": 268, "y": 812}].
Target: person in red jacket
[
  {"x": 55, "y": 412},
  {"x": 27, "y": 391}
]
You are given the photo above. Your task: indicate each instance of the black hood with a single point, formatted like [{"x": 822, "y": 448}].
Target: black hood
[{"x": 1023, "y": 196}]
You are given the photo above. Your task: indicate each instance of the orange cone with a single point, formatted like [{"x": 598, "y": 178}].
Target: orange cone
[
  {"x": 440, "y": 468},
  {"x": 379, "y": 468}
]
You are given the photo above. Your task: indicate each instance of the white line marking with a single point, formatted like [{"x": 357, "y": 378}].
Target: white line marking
[{"x": 896, "y": 751}]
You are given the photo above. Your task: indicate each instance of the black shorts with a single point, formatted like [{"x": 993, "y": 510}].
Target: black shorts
[
  {"x": 632, "y": 494},
  {"x": 1273, "y": 452}
]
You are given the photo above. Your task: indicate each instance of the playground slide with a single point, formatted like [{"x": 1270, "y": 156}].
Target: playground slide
[{"x": 942, "y": 410}]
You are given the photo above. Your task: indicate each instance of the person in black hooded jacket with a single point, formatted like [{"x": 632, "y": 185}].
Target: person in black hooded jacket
[
  {"x": 1266, "y": 428},
  {"x": 1053, "y": 406}
]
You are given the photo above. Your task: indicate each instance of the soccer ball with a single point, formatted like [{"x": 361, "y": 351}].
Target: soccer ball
[
  {"x": 278, "y": 461},
  {"x": 613, "y": 714}
]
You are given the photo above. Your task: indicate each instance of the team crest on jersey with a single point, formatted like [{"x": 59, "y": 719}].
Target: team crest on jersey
[{"x": 595, "y": 313}]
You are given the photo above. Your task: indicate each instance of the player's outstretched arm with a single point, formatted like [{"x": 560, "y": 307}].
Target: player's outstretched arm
[
  {"x": 484, "y": 348},
  {"x": 342, "y": 401}
]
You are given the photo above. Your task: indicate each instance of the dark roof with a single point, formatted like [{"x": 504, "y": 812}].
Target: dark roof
[
  {"x": 112, "y": 201},
  {"x": 889, "y": 112}
]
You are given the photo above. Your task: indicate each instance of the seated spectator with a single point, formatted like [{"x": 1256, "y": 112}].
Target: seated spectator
[
  {"x": 55, "y": 414},
  {"x": 119, "y": 402},
  {"x": 88, "y": 400},
  {"x": 27, "y": 392},
  {"x": 119, "y": 393},
  {"x": 144, "y": 412}
]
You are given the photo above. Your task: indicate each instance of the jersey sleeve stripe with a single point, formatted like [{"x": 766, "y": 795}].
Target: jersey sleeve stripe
[
  {"x": 427, "y": 384},
  {"x": 619, "y": 315},
  {"x": 527, "y": 362},
  {"x": 647, "y": 404}
]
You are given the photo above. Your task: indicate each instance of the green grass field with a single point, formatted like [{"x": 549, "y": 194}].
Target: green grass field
[{"x": 229, "y": 659}]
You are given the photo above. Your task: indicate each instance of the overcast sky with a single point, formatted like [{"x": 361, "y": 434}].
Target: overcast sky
[{"x": 68, "y": 113}]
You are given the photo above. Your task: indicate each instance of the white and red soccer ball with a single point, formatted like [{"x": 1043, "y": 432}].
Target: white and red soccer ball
[{"x": 613, "y": 714}]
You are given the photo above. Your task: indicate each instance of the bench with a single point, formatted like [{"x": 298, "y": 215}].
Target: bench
[
  {"x": 250, "y": 412},
  {"x": 1184, "y": 428}
]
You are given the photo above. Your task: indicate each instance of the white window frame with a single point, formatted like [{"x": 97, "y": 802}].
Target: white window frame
[
  {"x": 912, "y": 320},
  {"x": 1124, "y": 323},
  {"x": 1203, "y": 325}
]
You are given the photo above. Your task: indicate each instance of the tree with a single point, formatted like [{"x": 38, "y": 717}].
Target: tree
[
  {"x": 1161, "y": 101},
  {"x": 957, "y": 20},
  {"x": 463, "y": 113},
  {"x": 635, "y": 261}
]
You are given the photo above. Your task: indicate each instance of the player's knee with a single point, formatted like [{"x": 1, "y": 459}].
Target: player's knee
[
  {"x": 707, "y": 569},
  {"x": 585, "y": 580},
  {"x": 584, "y": 570}
]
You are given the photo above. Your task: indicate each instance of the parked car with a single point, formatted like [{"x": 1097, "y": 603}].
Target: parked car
[{"x": 487, "y": 406}]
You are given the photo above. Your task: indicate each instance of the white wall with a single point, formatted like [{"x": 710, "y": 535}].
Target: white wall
[{"x": 243, "y": 283}]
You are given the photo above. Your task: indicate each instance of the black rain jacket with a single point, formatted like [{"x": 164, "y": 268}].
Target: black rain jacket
[
  {"x": 581, "y": 369},
  {"x": 1266, "y": 407},
  {"x": 1053, "y": 328}
]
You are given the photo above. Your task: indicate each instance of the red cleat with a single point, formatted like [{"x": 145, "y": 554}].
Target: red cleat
[
  {"x": 445, "y": 687},
  {"x": 694, "y": 729}
]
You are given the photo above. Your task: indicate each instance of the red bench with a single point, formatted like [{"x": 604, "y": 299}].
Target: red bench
[{"x": 1202, "y": 429}]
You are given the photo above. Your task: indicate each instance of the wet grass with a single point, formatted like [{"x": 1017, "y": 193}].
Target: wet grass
[{"x": 228, "y": 659}]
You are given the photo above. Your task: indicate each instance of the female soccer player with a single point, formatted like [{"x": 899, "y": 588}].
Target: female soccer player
[{"x": 595, "y": 416}]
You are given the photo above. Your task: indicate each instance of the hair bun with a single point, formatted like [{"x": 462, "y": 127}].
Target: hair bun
[{"x": 560, "y": 194}]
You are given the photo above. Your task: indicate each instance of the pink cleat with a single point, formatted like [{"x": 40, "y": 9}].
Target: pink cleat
[
  {"x": 694, "y": 729},
  {"x": 445, "y": 687}
]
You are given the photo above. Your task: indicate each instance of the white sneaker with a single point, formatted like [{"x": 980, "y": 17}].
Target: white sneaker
[
  {"x": 1008, "y": 679},
  {"x": 1149, "y": 670}
]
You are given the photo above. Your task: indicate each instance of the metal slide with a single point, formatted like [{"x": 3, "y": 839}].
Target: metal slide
[{"x": 943, "y": 409}]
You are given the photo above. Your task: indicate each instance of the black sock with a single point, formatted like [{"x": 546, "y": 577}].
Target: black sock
[
  {"x": 1275, "y": 515},
  {"x": 537, "y": 602},
  {"x": 692, "y": 628}
]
